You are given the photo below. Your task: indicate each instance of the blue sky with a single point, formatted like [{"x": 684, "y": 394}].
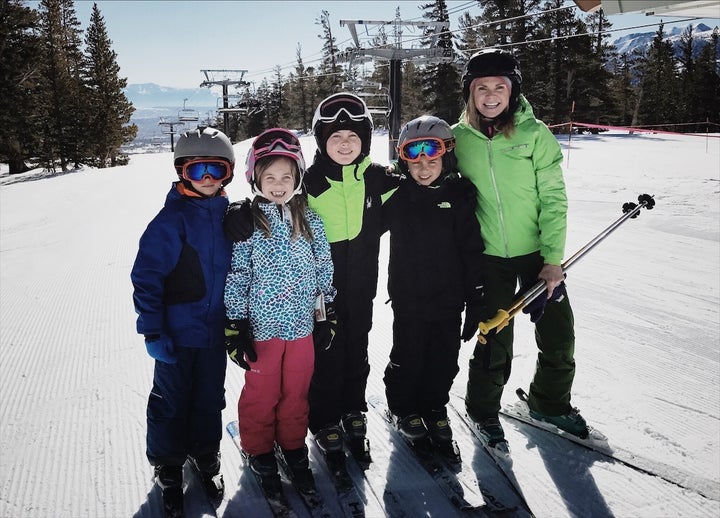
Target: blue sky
[{"x": 169, "y": 42}]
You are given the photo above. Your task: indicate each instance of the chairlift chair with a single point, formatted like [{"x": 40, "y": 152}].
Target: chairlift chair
[{"x": 188, "y": 115}]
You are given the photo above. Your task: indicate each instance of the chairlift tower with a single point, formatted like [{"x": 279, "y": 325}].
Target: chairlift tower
[
  {"x": 395, "y": 55},
  {"x": 168, "y": 128},
  {"x": 224, "y": 78}
]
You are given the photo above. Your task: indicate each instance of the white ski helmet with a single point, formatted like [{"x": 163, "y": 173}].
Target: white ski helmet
[{"x": 342, "y": 111}]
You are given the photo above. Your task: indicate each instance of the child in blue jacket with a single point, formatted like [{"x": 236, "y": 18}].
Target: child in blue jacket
[
  {"x": 179, "y": 279},
  {"x": 275, "y": 278}
]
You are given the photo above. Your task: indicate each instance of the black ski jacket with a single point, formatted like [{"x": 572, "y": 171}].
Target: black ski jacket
[{"x": 436, "y": 248}]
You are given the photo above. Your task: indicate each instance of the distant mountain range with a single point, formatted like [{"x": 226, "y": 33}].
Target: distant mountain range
[
  {"x": 630, "y": 42},
  {"x": 151, "y": 95}
]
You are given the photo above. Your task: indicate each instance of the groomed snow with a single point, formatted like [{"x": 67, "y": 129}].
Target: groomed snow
[{"x": 74, "y": 375}]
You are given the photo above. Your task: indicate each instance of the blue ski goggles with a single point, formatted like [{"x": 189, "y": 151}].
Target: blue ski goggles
[
  {"x": 215, "y": 168},
  {"x": 413, "y": 150}
]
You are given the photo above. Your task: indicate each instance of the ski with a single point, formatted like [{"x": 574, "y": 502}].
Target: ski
[
  {"x": 312, "y": 499},
  {"x": 196, "y": 487},
  {"x": 450, "y": 456},
  {"x": 499, "y": 453},
  {"x": 349, "y": 500},
  {"x": 276, "y": 500},
  {"x": 598, "y": 442},
  {"x": 430, "y": 460},
  {"x": 358, "y": 449}
]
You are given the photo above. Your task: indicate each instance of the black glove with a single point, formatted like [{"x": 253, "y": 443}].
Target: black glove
[
  {"x": 325, "y": 330},
  {"x": 238, "y": 223},
  {"x": 536, "y": 308},
  {"x": 239, "y": 342},
  {"x": 473, "y": 317}
]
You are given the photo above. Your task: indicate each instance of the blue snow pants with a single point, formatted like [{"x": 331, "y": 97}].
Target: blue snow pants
[{"x": 185, "y": 404}]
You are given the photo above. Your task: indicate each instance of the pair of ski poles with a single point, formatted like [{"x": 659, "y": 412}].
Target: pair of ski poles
[{"x": 503, "y": 316}]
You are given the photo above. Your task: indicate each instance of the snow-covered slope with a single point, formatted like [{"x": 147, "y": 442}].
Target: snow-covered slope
[{"x": 74, "y": 376}]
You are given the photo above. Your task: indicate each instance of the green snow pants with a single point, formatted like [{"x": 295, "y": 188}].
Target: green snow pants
[{"x": 491, "y": 363}]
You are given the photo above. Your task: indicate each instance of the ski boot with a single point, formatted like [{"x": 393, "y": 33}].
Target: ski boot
[
  {"x": 491, "y": 433},
  {"x": 297, "y": 465},
  {"x": 329, "y": 439},
  {"x": 208, "y": 467},
  {"x": 411, "y": 427},
  {"x": 265, "y": 469},
  {"x": 169, "y": 479},
  {"x": 330, "y": 442},
  {"x": 354, "y": 424},
  {"x": 441, "y": 437},
  {"x": 572, "y": 422}
]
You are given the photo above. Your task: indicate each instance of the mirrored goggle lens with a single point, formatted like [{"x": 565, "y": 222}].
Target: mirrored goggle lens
[
  {"x": 274, "y": 139},
  {"x": 334, "y": 108},
  {"x": 196, "y": 170},
  {"x": 431, "y": 148}
]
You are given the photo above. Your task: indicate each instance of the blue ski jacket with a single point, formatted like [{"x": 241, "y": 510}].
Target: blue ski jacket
[{"x": 180, "y": 270}]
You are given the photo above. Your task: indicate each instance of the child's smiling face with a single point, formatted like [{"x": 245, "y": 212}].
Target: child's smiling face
[
  {"x": 277, "y": 181},
  {"x": 343, "y": 146}
]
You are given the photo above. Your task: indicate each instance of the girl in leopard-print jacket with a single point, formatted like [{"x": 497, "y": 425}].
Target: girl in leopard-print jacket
[{"x": 275, "y": 278}]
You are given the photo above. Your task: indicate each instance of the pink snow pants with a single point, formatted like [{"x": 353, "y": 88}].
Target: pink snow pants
[{"x": 273, "y": 405}]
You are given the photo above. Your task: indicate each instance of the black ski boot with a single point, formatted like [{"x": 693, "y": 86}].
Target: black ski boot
[
  {"x": 208, "y": 467},
  {"x": 354, "y": 424},
  {"x": 440, "y": 434},
  {"x": 169, "y": 479},
  {"x": 298, "y": 465},
  {"x": 265, "y": 469}
]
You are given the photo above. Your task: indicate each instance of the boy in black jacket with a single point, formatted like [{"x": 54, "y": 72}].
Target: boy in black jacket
[{"x": 435, "y": 271}]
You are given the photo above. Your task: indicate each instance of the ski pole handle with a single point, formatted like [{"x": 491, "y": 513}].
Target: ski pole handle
[
  {"x": 499, "y": 321},
  {"x": 503, "y": 316}
]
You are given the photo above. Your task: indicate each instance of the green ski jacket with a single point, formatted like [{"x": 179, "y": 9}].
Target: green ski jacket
[{"x": 522, "y": 204}]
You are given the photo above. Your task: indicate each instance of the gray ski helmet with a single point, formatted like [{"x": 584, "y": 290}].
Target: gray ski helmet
[
  {"x": 426, "y": 126},
  {"x": 204, "y": 142},
  {"x": 342, "y": 111},
  {"x": 429, "y": 126},
  {"x": 492, "y": 62}
]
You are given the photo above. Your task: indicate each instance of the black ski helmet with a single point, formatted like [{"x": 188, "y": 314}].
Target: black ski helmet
[{"x": 493, "y": 62}]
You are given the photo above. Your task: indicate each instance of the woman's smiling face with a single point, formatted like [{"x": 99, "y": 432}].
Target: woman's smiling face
[{"x": 491, "y": 95}]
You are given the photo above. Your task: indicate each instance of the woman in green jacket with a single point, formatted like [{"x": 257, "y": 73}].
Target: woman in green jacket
[{"x": 514, "y": 161}]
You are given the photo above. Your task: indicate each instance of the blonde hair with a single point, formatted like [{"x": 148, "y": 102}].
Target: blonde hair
[
  {"x": 505, "y": 123},
  {"x": 297, "y": 204}
]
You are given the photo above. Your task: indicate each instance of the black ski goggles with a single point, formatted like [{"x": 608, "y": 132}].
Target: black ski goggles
[{"x": 332, "y": 109}]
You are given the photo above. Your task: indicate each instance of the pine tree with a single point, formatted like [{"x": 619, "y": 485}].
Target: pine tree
[
  {"x": 20, "y": 77},
  {"x": 275, "y": 103},
  {"x": 61, "y": 91},
  {"x": 330, "y": 71},
  {"x": 659, "y": 83},
  {"x": 441, "y": 81},
  {"x": 107, "y": 111},
  {"x": 707, "y": 74},
  {"x": 298, "y": 92}
]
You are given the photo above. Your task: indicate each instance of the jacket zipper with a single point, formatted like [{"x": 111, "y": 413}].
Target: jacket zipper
[{"x": 497, "y": 198}]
